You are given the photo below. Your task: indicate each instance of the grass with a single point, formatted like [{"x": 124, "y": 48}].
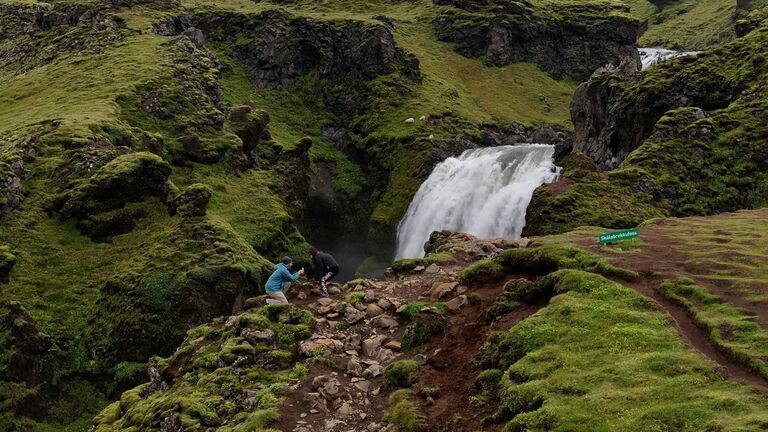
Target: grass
[
  {"x": 403, "y": 412},
  {"x": 400, "y": 374},
  {"x": 541, "y": 260},
  {"x": 599, "y": 357},
  {"x": 87, "y": 85},
  {"x": 729, "y": 328},
  {"x": 691, "y": 24}
]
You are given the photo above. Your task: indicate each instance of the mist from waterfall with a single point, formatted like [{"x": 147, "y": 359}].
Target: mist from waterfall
[
  {"x": 651, "y": 56},
  {"x": 483, "y": 192}
]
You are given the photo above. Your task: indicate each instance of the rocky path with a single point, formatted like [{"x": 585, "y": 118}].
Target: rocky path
[{"x": 358, "y": 335}]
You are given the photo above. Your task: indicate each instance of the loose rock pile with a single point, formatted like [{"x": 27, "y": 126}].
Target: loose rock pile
[{"x": 361, "y": 333}]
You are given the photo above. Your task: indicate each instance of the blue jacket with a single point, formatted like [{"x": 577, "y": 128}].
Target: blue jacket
[{"x": 279, "y": 277}]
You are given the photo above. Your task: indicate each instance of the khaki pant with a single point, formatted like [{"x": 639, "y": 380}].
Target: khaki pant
[{"x": 278, "y": 297}]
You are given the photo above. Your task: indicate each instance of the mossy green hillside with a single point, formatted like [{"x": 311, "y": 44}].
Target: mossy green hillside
[
  {"x": 598, "y": 341},
  {"x": 690, "y": 24},
  {"x": 692, "y": 162},
  {"x": 231, "y": 376}
]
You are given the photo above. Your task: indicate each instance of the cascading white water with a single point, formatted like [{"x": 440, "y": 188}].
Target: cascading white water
[
  {"x": 484, "y": 192},
  {"x": 651, "y": 56}
]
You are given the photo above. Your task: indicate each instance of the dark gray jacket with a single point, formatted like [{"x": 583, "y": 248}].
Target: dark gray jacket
[{"x": 325, "y": 261}]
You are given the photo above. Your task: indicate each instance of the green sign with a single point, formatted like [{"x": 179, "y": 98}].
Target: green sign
[{"x": 617, "y": 236}]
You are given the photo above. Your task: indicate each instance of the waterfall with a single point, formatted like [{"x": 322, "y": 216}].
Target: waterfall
[
  {"x": 484, "y": 192},
  {"x": 651, "y": 56}
]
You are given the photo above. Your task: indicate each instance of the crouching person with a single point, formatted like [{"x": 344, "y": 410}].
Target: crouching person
[
  {"x": 276, "y": 283},
  {"x": 328, "y": 266}
]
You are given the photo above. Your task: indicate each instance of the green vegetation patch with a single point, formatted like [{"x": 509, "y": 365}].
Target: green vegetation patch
[
  {"x": 540, "y": 261},
  {"x": 403, "y": 412},
  {"x": 729, "y": 327},
  {"x": 400, "y": 374},
  {"x": 598, "y": 342},
  {"x": 236, "y": 359}
]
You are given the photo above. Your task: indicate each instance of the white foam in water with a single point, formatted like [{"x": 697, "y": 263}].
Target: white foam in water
[
  {"x": 483, "y": 192},
  {"x": 651, "y": 56}
]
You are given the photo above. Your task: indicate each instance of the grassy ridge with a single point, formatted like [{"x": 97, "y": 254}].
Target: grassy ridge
[{"x": 600, "y": 358}]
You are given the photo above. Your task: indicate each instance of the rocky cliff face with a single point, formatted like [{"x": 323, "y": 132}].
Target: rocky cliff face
[
  {"x": 615, "y": 111},
  {"x": 277, "y": 49},
  {"x": 570, "y": 41},
  {"x": 682, "y": 138}
]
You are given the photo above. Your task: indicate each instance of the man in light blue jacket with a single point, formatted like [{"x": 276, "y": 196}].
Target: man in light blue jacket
[{"x": 276, "y": 282}]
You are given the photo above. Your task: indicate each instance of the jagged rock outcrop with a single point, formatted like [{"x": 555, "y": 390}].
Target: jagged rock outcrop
[
  {"x": 683, "y": 138},
  {"x": 279, "y": 49},
  {"x": 573, "y": 40},
  {"x": 614, "y": 112}
]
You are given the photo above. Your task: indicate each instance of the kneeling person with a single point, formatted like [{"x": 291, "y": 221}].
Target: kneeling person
[
  {"x": 328, "y": 266},
  {"x": 276, "y": 283}
]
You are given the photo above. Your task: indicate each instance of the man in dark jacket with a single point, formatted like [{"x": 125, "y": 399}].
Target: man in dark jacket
[{"x": 327, "y": 265}]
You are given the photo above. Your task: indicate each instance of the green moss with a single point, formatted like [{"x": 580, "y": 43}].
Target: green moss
[
  {"x": 598, "y": 340},
  {"x": 413, "y": 308},
  {"x": 355, "y": 297},
  {"x": 403, "y": 413},
  {"x": 400, "y": 374},
  {"x": 481, "y": 271},
  {"x": 730, "y": 328}
]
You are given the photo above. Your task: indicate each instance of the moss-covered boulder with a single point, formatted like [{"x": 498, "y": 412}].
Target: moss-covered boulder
[
  {"x": 219, "y": 377},
  {"x": 191, "y": 274},
  {"x": 99, "y": 202},
  {"x": 192, "y": 201}
]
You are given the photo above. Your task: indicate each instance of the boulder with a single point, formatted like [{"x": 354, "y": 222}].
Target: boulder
[
  {"x": 373, "y": 310},
  {"x": 257, "y": 337},
  {"x": 353, "y": 316},
  {"x": 354, "y": 367},
  {"x": 442, "y": 289},
  {"x": 374, "y": 371},
  {"x": 370, "y": 296},
  {"x": 372, "y": 345},
  {"x": 384, "y": 322},
  {"x": 386, "y": 305},
  {"x": 308, "y": 347},
  {"x": 455, "y": 304},
  {"x": 353, "y": 342}
]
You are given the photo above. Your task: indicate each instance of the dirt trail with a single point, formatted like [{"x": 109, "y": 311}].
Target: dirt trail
[
  {"x": 450, "y": 363},
  {"x": 662, "y": 257},
  {"x": 695, "y": 336}
]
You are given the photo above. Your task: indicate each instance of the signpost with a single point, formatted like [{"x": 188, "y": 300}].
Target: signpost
[{"x": 618, "y": 236}]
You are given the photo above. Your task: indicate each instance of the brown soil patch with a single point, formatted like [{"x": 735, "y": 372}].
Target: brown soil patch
[{"x": 450, "y": 364}]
